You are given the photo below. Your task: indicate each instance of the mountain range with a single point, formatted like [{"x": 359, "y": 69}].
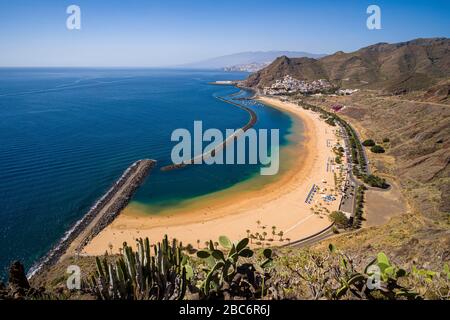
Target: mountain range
[
  {"x": 396, "y": 68},
  {"x": 254, "y": 59}
]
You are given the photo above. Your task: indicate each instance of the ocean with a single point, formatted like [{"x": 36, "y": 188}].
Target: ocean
[{"x": 66, "y": 135}]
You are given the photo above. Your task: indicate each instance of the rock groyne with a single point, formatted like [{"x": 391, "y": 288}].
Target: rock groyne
[
  {"x": 252, "y": 121},
  {"x": 102, "y": 213}
]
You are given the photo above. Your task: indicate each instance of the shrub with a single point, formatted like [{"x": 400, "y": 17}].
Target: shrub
[
  {"x": 377, "y": 149},
  {"x": 379, "y": 280},
  {"x": 368, "y": 143},
  {"x": 386, "y": 140},
  {"x": 339, "y": 218},
  {"x": 330, "y": 121},
  {"x": 375, "y": 181}
]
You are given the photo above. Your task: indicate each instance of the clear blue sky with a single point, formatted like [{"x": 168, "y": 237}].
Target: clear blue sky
[{"x": 167, "y": 32}]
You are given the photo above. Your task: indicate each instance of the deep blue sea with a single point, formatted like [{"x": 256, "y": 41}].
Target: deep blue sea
[{"x": 66, "y": 135}]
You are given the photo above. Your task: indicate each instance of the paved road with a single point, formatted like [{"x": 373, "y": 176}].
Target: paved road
[{"x": 313, "y": 239}]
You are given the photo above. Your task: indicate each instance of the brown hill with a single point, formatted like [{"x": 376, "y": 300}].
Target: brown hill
[{"x": 397, "y": 68}]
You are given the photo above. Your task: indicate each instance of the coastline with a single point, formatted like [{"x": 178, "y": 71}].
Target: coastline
[
  {"x": 280, "y": 203},
  {"x": 101, "y": 214}
]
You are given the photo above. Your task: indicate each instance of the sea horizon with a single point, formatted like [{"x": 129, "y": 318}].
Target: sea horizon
[{"x": 88, "y": 125}]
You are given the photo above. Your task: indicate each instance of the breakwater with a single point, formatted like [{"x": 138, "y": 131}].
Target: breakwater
[
  {"x": 101, "y": 214},
  {"x": 252, "y": 121}
]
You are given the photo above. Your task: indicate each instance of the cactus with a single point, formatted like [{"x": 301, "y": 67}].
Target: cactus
[
  {"x": 223, "y": 269},
  {"x": 142, "y": 276},
  {"x": 380, "y": 270}
]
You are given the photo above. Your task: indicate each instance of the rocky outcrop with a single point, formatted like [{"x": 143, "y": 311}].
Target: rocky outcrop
[{"x": 18, "y": 286}]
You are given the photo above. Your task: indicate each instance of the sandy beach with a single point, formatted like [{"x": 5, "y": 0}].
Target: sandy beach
[{"x": 275, "y": 207}]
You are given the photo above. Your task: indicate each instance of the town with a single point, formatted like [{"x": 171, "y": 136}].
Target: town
[{"x": 289, "y": 85}]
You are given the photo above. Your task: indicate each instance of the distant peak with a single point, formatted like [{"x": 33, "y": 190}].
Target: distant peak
[{"x": 283, "y": 58}]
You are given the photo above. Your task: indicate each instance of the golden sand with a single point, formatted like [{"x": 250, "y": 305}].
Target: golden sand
[{"x": 241, "y": 210}]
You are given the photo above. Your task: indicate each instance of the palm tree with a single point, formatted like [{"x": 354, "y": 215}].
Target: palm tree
[
  {"x": 198, "y": 243},
  {"x": 248, "y": 233},
  {"x": 264, "y": 235},
  {"x": 273, "y": 229},
  {"x": 110, "y": 246},
  {"x": 258, "y": 222},
  {"x": 216, "y": 244},
  {"x": 280, "y": 234}
]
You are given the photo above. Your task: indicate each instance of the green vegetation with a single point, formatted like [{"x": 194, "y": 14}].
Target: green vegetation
[
  {"x": 379, "y": 280},
  {"x": 339, "y": 219},
  {"x": 237, "y": 272},
  {"x": 226, "y": 274},
  {"x": 369, "y": 143},
  {"x": 377, "y": 149},
  {"x": 330, "y": 121},
  {"x": 141, "y": 275},
  {"x": 308, "y": 274},
  {"x": 357, "y": 220},
  {"x": 375, "y": 181},
  {"x": 386, "y": 140}
]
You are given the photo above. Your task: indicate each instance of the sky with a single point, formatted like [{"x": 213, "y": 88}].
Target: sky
[{"x": 158, "y": 33}]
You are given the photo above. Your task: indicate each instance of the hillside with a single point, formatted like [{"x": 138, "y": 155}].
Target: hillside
[
  {"x": 417, "y": 159},
  {"x": 395, "y": 68}
]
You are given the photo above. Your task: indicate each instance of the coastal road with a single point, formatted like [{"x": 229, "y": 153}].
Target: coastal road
[{"x": 322, "y": 235}]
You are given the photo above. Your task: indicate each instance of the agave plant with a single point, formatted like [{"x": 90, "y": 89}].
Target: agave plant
[{"x": 142, "y": 276}]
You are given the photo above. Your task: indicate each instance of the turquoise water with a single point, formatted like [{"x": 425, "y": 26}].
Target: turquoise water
[{"x": 67, "y": 134}]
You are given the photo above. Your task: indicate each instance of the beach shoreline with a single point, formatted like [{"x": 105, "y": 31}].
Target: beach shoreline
[
  {"x": 278, "y": 206},
  {"x": 101, "y": 214}
]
